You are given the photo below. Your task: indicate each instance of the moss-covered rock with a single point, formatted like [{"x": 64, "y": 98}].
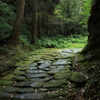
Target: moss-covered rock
[
  {"x": 5, "y": 82},
  {"x": 62, "y": 74},
  {"x": 77, "y": 77},
  {"x": 23, "y": 63},
  {"x": 55, "y": 83},
  {"x": 9, "y": 77}
]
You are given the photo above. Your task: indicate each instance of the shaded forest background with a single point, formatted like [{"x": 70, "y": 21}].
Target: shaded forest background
[
  {"x": 51, "y": 24},
  {"x": 44, "y": 19}
]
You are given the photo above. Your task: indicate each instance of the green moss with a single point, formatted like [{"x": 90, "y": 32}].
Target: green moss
[
  {"x": 19, "y": 72},
  {"x": 23, "y": 63},
  {"x": 62, "y": 93},
  {"x": 62, "y": 74},
  {"x": 5, "y": 82},
  {"x": 9, "y": 77},
  {"x": 1, "y": 89},
  {"x": 55, "y": 83},
  {"x": 77, "y": 77}
]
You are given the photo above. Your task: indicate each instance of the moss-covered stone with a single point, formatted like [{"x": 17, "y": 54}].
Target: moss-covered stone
[
  {"x": 9, "y": 77},
  {"x": 1, "y": 89},
  {"x": 55, "y": 83},
  {"x": 19, "y": 72},
  {"x": 23, "y": 63},
  {"x": 5, "y": 82},
  {"x": 62, "y": 74},
  {"x": 77, "y": 77}
]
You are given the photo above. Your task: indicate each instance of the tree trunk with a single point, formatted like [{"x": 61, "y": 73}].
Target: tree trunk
[
  {"x": 14, "y": 36},
  {"x": 33, "y": 40},
  {"x": 93, "y": 46}
]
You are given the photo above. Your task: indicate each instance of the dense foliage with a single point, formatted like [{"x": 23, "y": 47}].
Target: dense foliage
[{"x": 54, "y": 18}]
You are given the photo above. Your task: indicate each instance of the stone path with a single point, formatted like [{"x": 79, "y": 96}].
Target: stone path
[{"x": 46, "y": 76}]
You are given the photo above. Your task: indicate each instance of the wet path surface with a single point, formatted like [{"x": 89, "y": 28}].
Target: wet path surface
[{"x": 46, "y": 76}]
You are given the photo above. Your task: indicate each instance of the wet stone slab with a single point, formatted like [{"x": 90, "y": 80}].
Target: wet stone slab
[
  {"x": 62, "y": 62},
  {"x": 5, "y": 96},
  {"x": 20, "y": 78},
  {"x": 29, "y": 96},
  {"x": 76, "y": 50},
  {"x": 29, "y": 84},
  {"x": 10, "y": 89},
  {"x": 30, "y": 76},
  {"x": 45, "y": 64},
  {"x": 54, "y": 83},
  {"x": 41, "y": 79},
  {"x": 35, "y": 71}
]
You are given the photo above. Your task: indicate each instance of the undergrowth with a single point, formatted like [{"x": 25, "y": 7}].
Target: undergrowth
[{"x": 74, "y": 41}]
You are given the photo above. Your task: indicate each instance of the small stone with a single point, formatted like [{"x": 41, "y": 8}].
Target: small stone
[{"x": 43, "y": 90}]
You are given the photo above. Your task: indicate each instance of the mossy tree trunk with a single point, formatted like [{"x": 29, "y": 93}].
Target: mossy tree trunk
[
  {"x": 33, "y": 33},
  {"x": 14, "y": 36},
  {"x": 93, "y": 47}
]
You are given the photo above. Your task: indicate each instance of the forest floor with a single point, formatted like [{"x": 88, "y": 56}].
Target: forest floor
[{"x": 46, "y": 75}]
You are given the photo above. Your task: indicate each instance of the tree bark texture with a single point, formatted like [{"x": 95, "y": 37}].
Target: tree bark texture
[
  {"x": 93, "y": 46},
  {"x": 14, "y": 36}
]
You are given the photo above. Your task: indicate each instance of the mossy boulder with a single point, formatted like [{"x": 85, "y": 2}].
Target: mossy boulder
[{"x": 77, "y": 77}]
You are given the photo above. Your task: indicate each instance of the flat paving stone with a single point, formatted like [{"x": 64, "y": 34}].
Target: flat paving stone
[
  {"x": 62, "y": 62},
  {"x": 54, "y": 83},
  {"x": 29, "y": 84},
  {"x": 19, "y": 72},
  {"x": 30, "y": 76},
  {"x": 29, "y": 96},
  {"x": 20, "y": 78},
  {"x": 34, "y": 71},
  {"x": 10, "y": 89},
  {"x": 45, "y": 64},
  {"x": 5, "y": 96},
  {"x": 76, "y": 50},
  {"x": 41, "y": 79},
  {"x": 66, "y": 51},
  {"x": 32, "y": 68},
  {"x": 25, "y": 90}
]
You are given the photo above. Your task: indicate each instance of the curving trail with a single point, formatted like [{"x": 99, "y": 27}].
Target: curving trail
[{"x": 44, "y": 76}]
